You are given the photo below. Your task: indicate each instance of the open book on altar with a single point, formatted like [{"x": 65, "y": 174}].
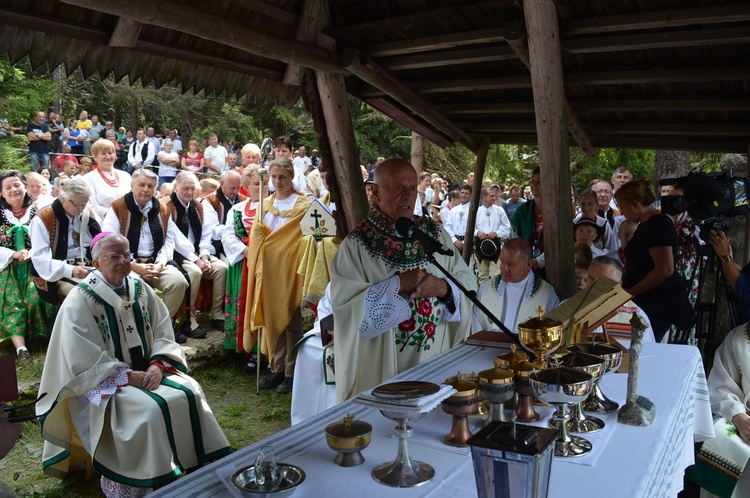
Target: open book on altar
[{"x": 590, "y": 308}]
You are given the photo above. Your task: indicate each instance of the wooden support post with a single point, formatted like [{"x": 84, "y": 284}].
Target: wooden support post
[
  {"x": 515, "y": 36},
  {"x": 338, "y": 122},
  {"x": 417, "y": 151},
  {"x": 126, "y": 33},
  {"x": 552, "y": 134},
  {"x": 311, "y": 98},
  {"x": 476, "y": 198}
]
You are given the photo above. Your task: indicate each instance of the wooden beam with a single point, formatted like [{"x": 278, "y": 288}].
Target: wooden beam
[
  {"x": 182, "y": 18},
  {"x": 307, "y": 32},
  {"x": 551, "y": 124},
  {"x": 367, "y": 70},
  {"x": 449, "y": 58},
  {"x": 515, "y": 35},
  {"x": 414, "y": 123},
  {"x": 489, "y": 108},
  {"x": 99, "y": 36},
  {"x": 661, "y": 39},
  {"x": 437, "y": 42},
  {"x": 126, "y": 33},
  {"x": 696, "y": 129},
  {"x": 681, "y": 105},
  {"x": 715, "y": 14},
  {"x": 338, "y": 123},
  {"x": 626, "y": 77},
  {"x": 722, "y": 146},
  {"x": 476, "y": 198},
  {"x": 417, "y": 152},
  {"x": 268, "y": 10}
]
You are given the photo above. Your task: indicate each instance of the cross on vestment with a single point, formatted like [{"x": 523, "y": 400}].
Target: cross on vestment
[
  {"x": 316, "y": 217},
  {"x": 129, "y": 329}
]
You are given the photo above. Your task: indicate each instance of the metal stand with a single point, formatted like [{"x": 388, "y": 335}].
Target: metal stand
[
  {"x": 567, "y": 445},
  {"x": 403, "y": 472}
]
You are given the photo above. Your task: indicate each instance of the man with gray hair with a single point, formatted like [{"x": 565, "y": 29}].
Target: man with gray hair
[
  {"x": 61, "y": 234},
  {"x": 146, "y": 223},
  {"x": 193, "y": 249},
  {"x": 217, "y": 205},
  {"x": 38, "y": 188}
]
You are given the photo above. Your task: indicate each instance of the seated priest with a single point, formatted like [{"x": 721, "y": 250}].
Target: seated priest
[
  {"x": 193, "y": 249},
  {"x": 116, "y": 383},
  {"x": 146, "y": 223},
  {"x": 392, "y": 308},
  {"x": 61, "y": 234},
  {"x": 217, "y": 205},
  {"x": 721, "y": 464},
  {"x": 514, "y": 295}
]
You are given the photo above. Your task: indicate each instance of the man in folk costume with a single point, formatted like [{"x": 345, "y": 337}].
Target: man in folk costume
[
  {"x": 274, "y": 291},
  {"x": 721, "y": 464},
  {"x": 493, "y": 226},
  {"x": 217, "y": 205},
  {"x": 455, "y": 224},
  {"x": 193, "y": 249},
  {"x": 146, "y": 223},
  {"x": 118, "y": 393},
  {"x": 515, "y": 294},
  {"x": 60, "y": 238},
  {"x": 391, "y": 309}
]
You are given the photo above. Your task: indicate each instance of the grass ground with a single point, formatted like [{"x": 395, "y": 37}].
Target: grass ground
[{"x": 244, "y": 417}]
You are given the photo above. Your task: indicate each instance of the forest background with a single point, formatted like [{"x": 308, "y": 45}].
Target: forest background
[{"x": 24, "y": 90}]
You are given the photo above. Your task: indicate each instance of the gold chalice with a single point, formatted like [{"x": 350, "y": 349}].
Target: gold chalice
[
  {"x": 461, "y": 404},
  {"x": 541, "y": 335}
]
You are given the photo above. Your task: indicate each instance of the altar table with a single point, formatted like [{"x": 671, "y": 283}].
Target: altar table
[{"x": 635, "y": 461}]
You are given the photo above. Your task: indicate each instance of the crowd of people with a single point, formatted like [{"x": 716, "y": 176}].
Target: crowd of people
[{"x": 125, "y": 213}]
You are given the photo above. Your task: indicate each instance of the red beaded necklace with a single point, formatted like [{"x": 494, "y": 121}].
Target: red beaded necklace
[
  {"x": 112, "y": 183},
  {"x": 19, "y": 214}
]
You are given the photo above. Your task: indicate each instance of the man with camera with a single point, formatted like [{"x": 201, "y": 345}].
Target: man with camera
[{"x": 738, "y": 279}]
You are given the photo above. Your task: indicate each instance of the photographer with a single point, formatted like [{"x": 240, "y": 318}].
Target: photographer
[{"x": 738, "y": 279}]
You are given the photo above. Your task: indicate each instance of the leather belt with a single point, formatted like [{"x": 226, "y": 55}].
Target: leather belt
[
  {"x": 144, "y": 261},
  {"x": 460, "y": 237},
  {"x": 77, "y": 262}
]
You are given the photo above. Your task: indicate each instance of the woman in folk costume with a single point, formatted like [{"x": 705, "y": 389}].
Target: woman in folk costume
[
  {"x": 22, "y": 311},
  {"x": 118, "y": 392},
  {"x": 235, "y": 240},
  {"x": 274, "y": 290},
  {"x": 108, "y": 183}
]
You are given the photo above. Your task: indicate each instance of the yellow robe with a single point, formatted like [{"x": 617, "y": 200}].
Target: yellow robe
[{"x": 274, "y": 289}]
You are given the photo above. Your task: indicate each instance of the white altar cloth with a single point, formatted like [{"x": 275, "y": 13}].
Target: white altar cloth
[{"x": 635, "y": 461}]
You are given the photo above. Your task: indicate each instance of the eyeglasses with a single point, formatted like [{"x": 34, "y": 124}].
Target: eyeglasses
[
  {"x": 113, "y": 258},
  {"x": 74, "y": 204}
]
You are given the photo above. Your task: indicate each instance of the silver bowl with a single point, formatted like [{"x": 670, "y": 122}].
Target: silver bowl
[{"x": 244, "y": 481}]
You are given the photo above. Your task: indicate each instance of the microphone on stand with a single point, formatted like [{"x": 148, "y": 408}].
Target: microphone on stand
[{"x": 407, "y": 228}]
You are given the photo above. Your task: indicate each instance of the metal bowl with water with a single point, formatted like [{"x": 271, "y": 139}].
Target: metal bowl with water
[{"x": 243, "y": 480}]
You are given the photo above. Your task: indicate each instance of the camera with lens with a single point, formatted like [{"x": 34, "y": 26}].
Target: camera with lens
[{"x": 710, "y": 198}]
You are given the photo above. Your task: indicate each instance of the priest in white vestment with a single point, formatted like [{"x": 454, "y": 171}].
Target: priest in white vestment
[
  {"x": 117, "y": 391},
  {"x": 516, "y": 292},
  {"x": 392, "y": 308},
  {"x": 721, "y": 464}
]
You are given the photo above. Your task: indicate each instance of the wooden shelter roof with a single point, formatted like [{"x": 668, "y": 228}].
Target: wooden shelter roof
[{"x": 671, "y": 74}]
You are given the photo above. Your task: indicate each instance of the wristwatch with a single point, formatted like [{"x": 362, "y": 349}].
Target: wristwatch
[{"x": 726, "y": 258}]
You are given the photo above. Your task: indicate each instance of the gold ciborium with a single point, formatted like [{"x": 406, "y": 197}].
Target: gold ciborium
[
  {"x": 461, "y": 404},
  {"x": 541, "y": 335},
  {"x": 348, "y": 438}
]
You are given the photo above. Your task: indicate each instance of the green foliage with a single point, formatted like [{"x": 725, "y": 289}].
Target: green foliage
[
  {"x": 584, "y": 169},
  {"x": 22, "y": 96},
  {"x": 10, "y": 158},
  {"x": 376, "y": 134}
]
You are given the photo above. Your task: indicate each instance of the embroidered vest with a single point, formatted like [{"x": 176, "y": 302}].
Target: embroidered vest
[{"x": 130, "y": 218}]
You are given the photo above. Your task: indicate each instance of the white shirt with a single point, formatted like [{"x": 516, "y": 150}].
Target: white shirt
[
  {"x": 146, "y": 241},
  {"x": 455, "y": 225},
  {"x": 42, "y": 255},
  {"x": 217, "y": 155},
  {"x": 492, "y": 219},
  {"x": 185, "y": 244},
  {"x": 167, "y": 169},
  {"x": 302, "y": 163},
  {"x": 135, "y": 155},
  {"x": 272, "y": 221},
  {"x": 233, "y": 245},
  {"x": 104, "y": 194}
]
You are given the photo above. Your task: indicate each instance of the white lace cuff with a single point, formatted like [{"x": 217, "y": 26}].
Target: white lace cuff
[
  {"x": 455, "y": 316},
  {"x": 108, "y": 386},
  {"x": 384, "y": 308}
]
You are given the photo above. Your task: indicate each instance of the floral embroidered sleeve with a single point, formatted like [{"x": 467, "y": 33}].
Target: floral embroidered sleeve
[{"x": 384, "y": 308}]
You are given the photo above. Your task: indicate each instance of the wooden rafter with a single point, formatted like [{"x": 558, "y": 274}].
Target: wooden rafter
[
  {"x": 656, "y": 20},
  {"x": 268, "y": 10},
  {"x": 438, "y": 42},
  {"x": 407, "y": 119},
  {"x": 449, "y": 57},
  {"x": 647, "y": 41},
  {"x": 126, "y": 33},
  {"x": 367, "y": 70},
  {"x": 217, "y": 29},
  {"x": 515, "y": 35},
  {"x": 307, "y": 32}
]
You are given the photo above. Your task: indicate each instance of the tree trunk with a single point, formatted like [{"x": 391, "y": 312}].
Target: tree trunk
[
  {"x": 670, "y": 164},
  {"x": 417, "y": 152}
]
